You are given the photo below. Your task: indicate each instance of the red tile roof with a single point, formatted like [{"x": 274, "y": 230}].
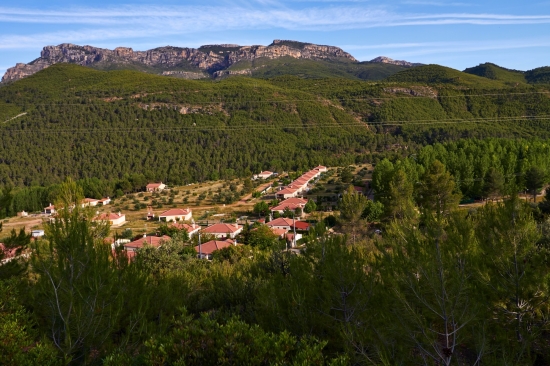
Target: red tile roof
[
  {"x": 287, "y": 191},
  {"x": 290, "y": 206},
  {"x": 154, "y": 185},
  {"x": 211, "y": 246},
  {"x": 108, "y": 216},
  {"x": 187, "y": 227},
  {"x": 281, "y": 221},
  {"x": 221, "y": 228},
  {"x": 155, "y": 241},
  {"x": 176, "y": 212},
  {"x": 294, "y": 200},
  {"x": 301, "y": 225},
  {"x": 279, "y": 232}
]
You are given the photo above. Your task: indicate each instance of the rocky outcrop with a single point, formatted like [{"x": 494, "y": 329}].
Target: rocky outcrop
[
  {"x": 211, "y": 58},
  {"x": 387, "y": 60},
  {"x": 185, "y": 74}
]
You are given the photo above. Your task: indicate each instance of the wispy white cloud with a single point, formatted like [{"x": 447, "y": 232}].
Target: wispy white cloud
[
  {"x": 435, "y": 3},
  {"x": 412, "y": 50},
  {"x": 244, "y": 17},
  {"x": 126, "y": 22}
]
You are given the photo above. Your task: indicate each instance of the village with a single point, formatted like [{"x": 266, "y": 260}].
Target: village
[{"x": 276, "y": 201}]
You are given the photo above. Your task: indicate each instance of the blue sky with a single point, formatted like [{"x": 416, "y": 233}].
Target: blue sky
[{"x": 454, "y": 33}]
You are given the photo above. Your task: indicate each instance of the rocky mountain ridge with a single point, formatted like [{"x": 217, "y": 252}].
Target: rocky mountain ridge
[
  {"x": 189, "y": 63},
  {"x": 171, "y": 60}
]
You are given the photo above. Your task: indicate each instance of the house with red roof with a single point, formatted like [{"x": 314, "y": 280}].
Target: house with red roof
[
  {"x": 114, "y": 219},
  {"x": 154, "y": 241},
  {"x": 205, "y": 250},
  {"x": 50, "y": 210},
  {"x": 291, "y": 203},
  {"x": 287, "y": 193},
  {"x": 280, "y": 208},
  {"x": 299, "y": 184},
  {"x": 155, "y": 187},
  {"x": 279, "y": 232},
  {"x": 105, "y": 201},
  {"x": 192, "y": 229},
  {"x": 222, "y": 230},
  {"x": 89, "y": 202},
  {"x": 288, "y": 224},
  {"x": 281, "y": 223},
  {"x": 176, "y": 214}
]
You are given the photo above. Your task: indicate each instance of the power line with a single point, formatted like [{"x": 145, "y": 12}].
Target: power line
[
  {"x": 281, "y": 127},
  {"x": 329, "y": 98}
]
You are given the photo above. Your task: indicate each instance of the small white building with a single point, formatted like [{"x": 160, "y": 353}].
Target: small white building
[
  {"x": 37, "y": 233},
  {"x": 263, "y": 175},
  {"x": 50, "y": 210}
]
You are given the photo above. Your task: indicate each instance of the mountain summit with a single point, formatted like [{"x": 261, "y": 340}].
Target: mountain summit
[{"x": 188, "y": 62}]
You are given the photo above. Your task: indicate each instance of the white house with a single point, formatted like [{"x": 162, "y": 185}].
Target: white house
[
  {"x": 192, "y": 229},
  {"x": 155, "y": 241},
  {"x": 105, "y": 201},
  {"x": 287, "y": 193},
  {"x": 223, "y": 230},
  {"x": 176, "y": 214},
  {"x": 281, "y": 223},
  {"x": 115, "y": 219},
  {"x": 288, "y": 224},
  {"x": 205, "y": 250},
  {"x": 321, "y": 168},
  {"x": 89, "y": 202},
  {"x": 155, "y": 187},
  {"x": 50, "y": 210}
]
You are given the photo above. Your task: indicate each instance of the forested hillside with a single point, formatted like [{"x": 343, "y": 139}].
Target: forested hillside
[{"x": 79, "y": 122}]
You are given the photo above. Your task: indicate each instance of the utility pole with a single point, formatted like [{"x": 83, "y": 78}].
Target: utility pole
[{"x": 294, "y": 229}]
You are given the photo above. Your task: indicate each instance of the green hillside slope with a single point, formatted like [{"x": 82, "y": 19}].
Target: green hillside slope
[
  {"x": 495, "y": 72},
  {"x": 315, "y": 69},
  {"x": 539, "y": 75},
  {"x": 87, "y": 123},
  {"x": 435, "y": 74}
]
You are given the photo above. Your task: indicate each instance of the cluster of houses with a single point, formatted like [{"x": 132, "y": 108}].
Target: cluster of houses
[
  {"x": 300, "y": 185},
  {"x": 224, "y": 234},
  {"x": 86, "y": 202}
]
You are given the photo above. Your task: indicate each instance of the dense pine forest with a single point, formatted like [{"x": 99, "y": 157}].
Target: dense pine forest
[{"x": 411, "y": 277}]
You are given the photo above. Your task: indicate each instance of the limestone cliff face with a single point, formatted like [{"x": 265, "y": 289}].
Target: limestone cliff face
[
  {"x": 387, "y": 60},
  {"x": 208, "y": 58}
]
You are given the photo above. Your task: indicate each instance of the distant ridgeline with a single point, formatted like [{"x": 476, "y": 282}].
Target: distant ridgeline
[
  {"x": 215, "y": 61},
  {"x": 69, "y": 120}
]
